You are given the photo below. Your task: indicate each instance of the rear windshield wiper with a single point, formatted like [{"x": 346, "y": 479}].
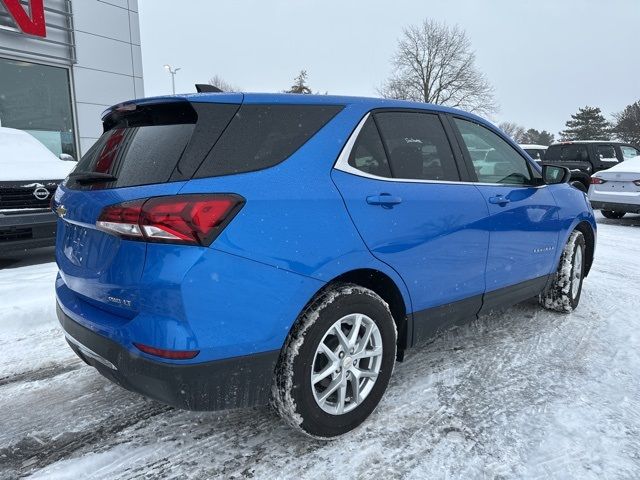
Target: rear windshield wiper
[{"x": 92, "y": 177}]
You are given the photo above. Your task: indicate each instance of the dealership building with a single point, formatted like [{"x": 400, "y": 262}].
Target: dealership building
[{"x": 62, "y": 63}]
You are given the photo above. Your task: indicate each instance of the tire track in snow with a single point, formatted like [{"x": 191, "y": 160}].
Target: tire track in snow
[
  {"x": 34, "y": 451},
  {"x": 41, "y": 373}
]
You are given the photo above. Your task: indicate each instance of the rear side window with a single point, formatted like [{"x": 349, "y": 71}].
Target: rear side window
[
  {"x": 368, "y": 154},
  {"x": 261, "y": 136},
  {"x": 417, "y": 145},
  {"x": 607, "y": 152},
  {"x": 567, "y": 153}
]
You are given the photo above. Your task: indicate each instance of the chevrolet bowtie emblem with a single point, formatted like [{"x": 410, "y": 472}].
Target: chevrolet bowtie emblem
[{"x": 61, "y": 211}]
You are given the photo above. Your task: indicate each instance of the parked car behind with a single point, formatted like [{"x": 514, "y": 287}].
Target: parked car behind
[
  {"x": 536, "y": 152},
  {"x": 222, "y": 250},
  {"x": 586, "y": 157},
  {"x": 616, "y": 191},
  {"x": 29, "y": 176}
]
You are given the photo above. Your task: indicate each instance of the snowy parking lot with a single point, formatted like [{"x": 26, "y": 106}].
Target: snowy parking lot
[{"x": 522, "y": 394}]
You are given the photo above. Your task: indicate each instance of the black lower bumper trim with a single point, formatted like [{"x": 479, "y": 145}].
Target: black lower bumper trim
[
  {"x": 218, "y": 385},
  {"x": 616, "y": 207}
]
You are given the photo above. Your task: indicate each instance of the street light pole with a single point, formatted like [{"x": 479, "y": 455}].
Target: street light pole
[{"x": 173, "y": 72}]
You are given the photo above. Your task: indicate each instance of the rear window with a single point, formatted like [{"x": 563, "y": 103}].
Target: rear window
[
  {"x": 261, "y": 136},
  {"x": 154, "y": 144},
  {"x": 567, "y": 153}
]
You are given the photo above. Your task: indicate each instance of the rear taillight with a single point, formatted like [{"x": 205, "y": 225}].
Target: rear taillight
[
  {"x": 597, "y": 181},
  {"x": 186, "y": 219}
]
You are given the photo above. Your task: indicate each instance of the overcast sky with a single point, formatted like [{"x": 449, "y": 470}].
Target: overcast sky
[{"x": 545, "y": 58}]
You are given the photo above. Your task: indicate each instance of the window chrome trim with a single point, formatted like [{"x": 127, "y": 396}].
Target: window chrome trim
[{"x": 342, "y": 164}]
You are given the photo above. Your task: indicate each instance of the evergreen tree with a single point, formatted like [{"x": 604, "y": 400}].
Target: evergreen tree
[
  {"x": 627, "y": 125},
  {"x": 535, "y": 137},
  {"x": 587, "y": 124},
  {"x": 300, "y": 84}
]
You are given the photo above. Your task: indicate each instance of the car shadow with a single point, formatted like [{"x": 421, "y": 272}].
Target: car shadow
[
  {"x": 629, "y": 220},
  {"x": 31, "y": 257}
]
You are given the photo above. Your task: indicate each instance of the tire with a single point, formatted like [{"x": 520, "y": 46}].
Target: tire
[
  {"x": 298, "y": 400},
  {"x": 615, "y": 215},
  {"x": 563, "y": 294}
]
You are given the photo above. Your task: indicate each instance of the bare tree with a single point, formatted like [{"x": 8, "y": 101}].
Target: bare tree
[
  {"x": 434, "y": 63},
  {"x": 222, "y": 84},
  {"x": 515, "y": 131}
]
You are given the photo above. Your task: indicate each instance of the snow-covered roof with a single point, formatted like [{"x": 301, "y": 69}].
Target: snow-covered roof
[
  {"x": 631, "y": 165},
  {"x": 23, "y": 157},
  {"x": 532, "y": 146},
  {"x": 586, "y": 141}
]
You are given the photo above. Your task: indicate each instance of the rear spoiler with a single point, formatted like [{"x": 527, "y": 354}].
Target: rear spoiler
[{"x": 206, "y": 88}]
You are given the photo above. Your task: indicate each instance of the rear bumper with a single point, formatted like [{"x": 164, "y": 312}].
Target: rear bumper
[
  {"x": 617, "y": 207},
  {"x": 24, "y": 231},
  {"x": 217, "y": 385}
]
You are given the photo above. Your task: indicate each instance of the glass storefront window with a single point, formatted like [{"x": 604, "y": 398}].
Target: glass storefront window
[{"x": 37, "y": 98}]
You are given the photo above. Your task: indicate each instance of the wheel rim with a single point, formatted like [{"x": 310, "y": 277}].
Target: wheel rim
[
  {"x": 346, "y": 364},
  {"x": 577, "y": 273}
]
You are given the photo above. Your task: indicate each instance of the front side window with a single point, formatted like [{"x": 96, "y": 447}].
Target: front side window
[
  {"x": 417, "y": 145},
  {"x": 494, "y": 160},
  {"x": 607, "y": 153},
  {"x": 629, "y": 152}
]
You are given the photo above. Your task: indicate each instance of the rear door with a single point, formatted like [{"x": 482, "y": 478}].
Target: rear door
[
  {"x": 402, "y": 187},
  {"x": 523, "y": 219}
]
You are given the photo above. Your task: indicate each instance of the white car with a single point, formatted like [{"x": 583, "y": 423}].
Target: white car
[
  {"x": 535, "y": 151},
  {"x": 616, "y": 191},
  {"x": 29, "y": 176}
]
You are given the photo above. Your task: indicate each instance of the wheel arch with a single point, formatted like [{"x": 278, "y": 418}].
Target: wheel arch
[
  {"x": 587, "y": 231},
  {"x": 392, "y": 291}
]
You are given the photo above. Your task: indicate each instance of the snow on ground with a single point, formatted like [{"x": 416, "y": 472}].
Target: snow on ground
[{"x": 521, "y": 394}]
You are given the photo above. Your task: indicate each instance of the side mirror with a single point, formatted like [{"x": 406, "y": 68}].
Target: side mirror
[
  {"x": 66, "y": 157},
  {"x": 553, "y": 174}
]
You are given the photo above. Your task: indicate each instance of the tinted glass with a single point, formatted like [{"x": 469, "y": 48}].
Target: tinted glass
[
  {"x": 37, "y": 99},
  {"x": 629, "y": 152},
  {"x": 494, "y": 160},
  {"x": 607, "y": 152},
  {"x": 368, "y": 153},
  {"x": 137, "y": 155},
  {"x": 261, "y": 136},
  {"x": 567, "y": 153},
  {"x": 417, "y": 145},
  {"x": 155, "y": 143}
]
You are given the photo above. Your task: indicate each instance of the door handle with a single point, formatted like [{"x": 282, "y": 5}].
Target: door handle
[
  {"x": 499, "y": 200},
  {"x": 385, "y": 200}
]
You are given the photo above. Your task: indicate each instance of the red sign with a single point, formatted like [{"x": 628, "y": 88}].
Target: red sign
[{"x": 32, "y": 24}]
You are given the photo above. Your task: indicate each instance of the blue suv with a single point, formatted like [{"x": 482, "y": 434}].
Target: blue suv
[{"x": 227, "y": 250}]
